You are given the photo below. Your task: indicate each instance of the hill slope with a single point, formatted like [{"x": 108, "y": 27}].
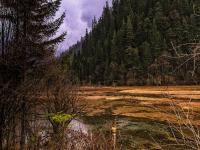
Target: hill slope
[{"x": 132, "y": 44}]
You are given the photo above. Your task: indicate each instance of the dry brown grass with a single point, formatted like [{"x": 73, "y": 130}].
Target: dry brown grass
[{"x": 141, "y": 102}]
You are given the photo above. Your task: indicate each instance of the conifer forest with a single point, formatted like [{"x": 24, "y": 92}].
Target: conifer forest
[{"x": 134, "y": 42}]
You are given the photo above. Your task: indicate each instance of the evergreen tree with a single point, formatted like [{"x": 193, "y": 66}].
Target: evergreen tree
[
  {"x": 145, "y": 54},
  {"x": 129, "y": 34},
  {"x": 114, "y": 49},
  {"x": 31, "y": 45},
  {"x": 156, "y": 40}
]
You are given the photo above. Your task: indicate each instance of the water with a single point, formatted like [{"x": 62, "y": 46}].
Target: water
[{"x": 132, "y": 133}]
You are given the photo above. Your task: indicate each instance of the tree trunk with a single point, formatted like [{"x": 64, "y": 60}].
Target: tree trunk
[
  {"x": 1, "y": 137},
  {"x": 2, "y": 39},
  {"x": 23, "y": 111}
]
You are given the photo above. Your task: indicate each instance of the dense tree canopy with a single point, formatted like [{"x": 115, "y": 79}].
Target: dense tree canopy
[{"x": 127, "y": 43}]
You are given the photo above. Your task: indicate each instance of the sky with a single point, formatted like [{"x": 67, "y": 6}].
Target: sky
[{"x": 79, "y": 15}]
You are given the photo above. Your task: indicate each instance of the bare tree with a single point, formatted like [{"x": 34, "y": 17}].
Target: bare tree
[{"x": 59, "y": 102}]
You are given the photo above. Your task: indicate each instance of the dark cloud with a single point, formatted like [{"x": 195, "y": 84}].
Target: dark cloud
[
  {"x": 87, "y": 18},
  {"x": 90, "y": 9},
  {"x": 79, "y": 15}
]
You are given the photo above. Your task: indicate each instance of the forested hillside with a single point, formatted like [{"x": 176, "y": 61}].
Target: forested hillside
[{"x": 138, "y": 43}]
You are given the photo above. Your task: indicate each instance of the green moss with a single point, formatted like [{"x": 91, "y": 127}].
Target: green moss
[{"x": 60, "y": 118}]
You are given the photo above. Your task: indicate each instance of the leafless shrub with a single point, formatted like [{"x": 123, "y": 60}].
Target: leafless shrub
[
  {"x": 185, "y": 132},
  {"x": 184, "y": 128},
  {"x": 58, "y": 104}
]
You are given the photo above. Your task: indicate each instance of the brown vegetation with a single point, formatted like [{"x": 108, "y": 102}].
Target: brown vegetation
[{"x": 142, "y": 102}]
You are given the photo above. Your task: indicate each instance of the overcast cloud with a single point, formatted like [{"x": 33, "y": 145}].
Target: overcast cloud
[{"x": 79, "y": 15}]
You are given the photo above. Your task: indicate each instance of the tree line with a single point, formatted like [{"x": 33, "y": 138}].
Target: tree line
[{"x": 133, "y": 43}]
